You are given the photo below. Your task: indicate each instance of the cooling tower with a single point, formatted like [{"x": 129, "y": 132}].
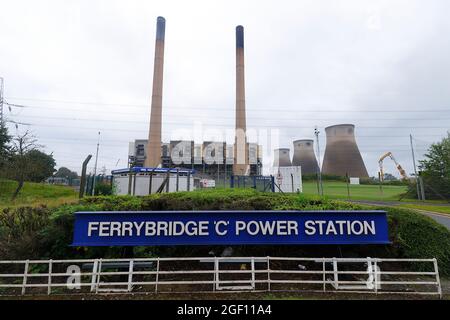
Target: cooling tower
[
  {"x": 240, "y": 166},
  {"x": 153, "y": 158},
  {"x": 305, "y": 157},
  {"x": 342, "y": 155},
  {"x": 282, "y": 158}
]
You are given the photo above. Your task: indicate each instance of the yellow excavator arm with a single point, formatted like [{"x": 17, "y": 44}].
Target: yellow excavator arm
[{"x": 398, "y": 166}]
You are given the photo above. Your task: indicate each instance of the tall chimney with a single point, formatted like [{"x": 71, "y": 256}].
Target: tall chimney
[
  {"x": 240, "y": 166},
  {"x": 153, "y": 158}
]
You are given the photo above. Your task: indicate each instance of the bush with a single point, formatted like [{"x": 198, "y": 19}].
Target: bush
[
  {"x": 103, "y": 189},
  {"x": 42, "y": 233},
  {"x": 414, "y": 235}
]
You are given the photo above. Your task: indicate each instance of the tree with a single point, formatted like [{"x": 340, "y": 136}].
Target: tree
[
  {"x": 27, "y": 163},
  {"x": 64, "y": 172},
  {"x": 435, "y": 170},
  {"x": 389, "y": 177},
  {"x": 40, "y": 166},
  {"x": 5, "y": 139}
]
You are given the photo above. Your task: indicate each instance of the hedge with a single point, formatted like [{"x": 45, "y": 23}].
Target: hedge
[{"x": 43, "y": 233}]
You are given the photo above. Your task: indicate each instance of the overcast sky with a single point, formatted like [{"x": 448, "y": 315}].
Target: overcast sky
[{"x": 81, "y": 67}]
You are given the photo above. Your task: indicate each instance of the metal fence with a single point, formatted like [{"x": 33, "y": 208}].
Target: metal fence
[{"x": 217, "y": 274}]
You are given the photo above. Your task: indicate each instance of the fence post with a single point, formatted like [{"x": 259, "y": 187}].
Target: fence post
[
  {"x": 130, "y": 182},
  {"x": 50, "y": 270},
  {"x": 130, "y": 276},
  {"x": 94, "y": 275},
  {"x": 375, "y": 274},
  {"x": 168, "y": 181},
  {"x": 336, "y": 275},
  {"x": 178, "y": 180},
  {"x": 268, "y": 272},
  {"x": 189, "y": 182},
  {"x": 253, "y": 274},
  {"x": 216, "y": 269},
  {"x": 83, "y": 177},
  {"x": 324, "y": 278},
  {"x": 438, "y": 280},
  {"x": 99, "y": 270},
  {"x": 134, "y": 183},
  {"x": 25, "y": 274},
  {"x": 157, "y": 275},
  {"x": 292, "y": 182},
  {"x": 151, "y": 182}
]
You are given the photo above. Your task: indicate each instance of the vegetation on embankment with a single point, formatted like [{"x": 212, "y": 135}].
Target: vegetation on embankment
[
  {"x": 37, "y": 233},
  {"x": 35, "y": 194}
]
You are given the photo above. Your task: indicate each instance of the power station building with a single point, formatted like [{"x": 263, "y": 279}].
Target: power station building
[
  {"x": 213, "y": 158},
  {"x": 342, "y": 154},
  {"x": 210, "y": 158}
]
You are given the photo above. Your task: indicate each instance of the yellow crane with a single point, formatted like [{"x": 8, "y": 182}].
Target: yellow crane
[{"x": 399, "y": 167}]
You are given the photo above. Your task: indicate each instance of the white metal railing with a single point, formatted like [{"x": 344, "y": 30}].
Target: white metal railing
[{"x": 218, "y": 274}]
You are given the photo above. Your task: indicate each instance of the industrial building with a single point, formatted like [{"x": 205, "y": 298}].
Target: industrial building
[
  {"x": 218, "y": 159},
  {"x": 210, "y": 158},
  {"x": 342, "y": 156}
]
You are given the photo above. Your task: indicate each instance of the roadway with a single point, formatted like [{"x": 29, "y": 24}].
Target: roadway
[{"x": 440, "y": 218}]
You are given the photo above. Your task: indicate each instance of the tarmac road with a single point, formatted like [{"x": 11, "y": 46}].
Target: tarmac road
[{"x": 441, "y": 218}]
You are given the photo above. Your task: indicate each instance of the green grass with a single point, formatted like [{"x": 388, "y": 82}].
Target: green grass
[
  {"x": 34, "y": 194},
  {"x": 338, "y": 190},
  {"x": 439, "y": 209}
]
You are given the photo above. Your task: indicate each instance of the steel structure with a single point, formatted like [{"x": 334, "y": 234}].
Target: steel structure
[
  {"x": 219, "y": 274},
  {"x": 305, "y": 157},
  {"x": 342, "y": 156},
  {"x": 397, "y": 165}
]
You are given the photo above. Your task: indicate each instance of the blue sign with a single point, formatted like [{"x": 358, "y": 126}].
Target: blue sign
[{"x": 156, "y": 228}]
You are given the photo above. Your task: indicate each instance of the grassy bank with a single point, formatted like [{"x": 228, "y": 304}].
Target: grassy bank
[
  {"x": 338, "y": 190},
  {"x": 28, "y": 233},
  {"x": 34, "y": 194}
]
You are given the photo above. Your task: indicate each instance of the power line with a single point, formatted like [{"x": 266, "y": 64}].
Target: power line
[
  {"x": 222, "y": 117},
  {"x": 223, "y": 125},
  {"x": 276, "y": 108}
]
